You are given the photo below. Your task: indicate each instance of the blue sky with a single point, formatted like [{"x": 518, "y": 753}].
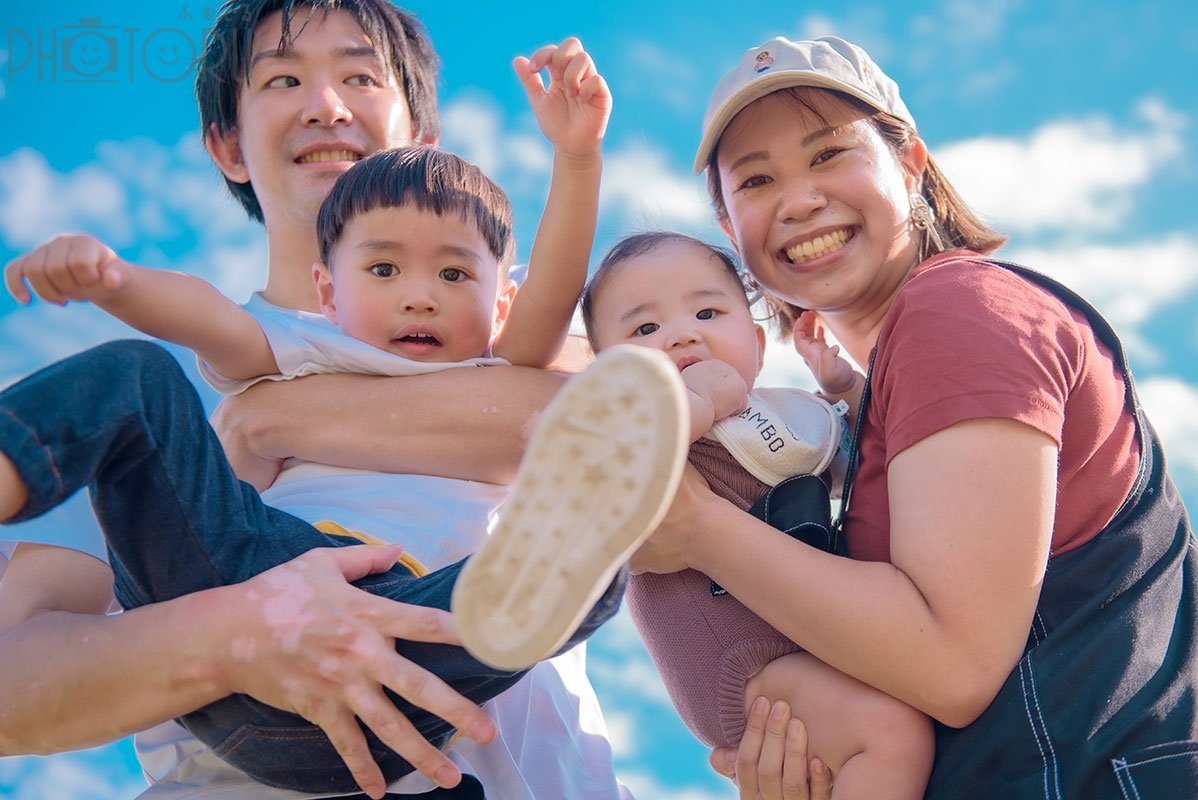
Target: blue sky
[{"x": 1070, "y": 125}]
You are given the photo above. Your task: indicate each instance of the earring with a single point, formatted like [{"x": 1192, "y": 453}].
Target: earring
[
  {"x": 923, "y": 219},
  {"x": 752, "y": 287}
]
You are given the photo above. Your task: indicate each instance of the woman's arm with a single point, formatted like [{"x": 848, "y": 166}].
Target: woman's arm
[{"x": 942, "y": 626}]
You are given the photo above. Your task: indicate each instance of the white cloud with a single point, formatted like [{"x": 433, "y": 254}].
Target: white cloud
[
  {"x": 1068, "y": 175},
  {"x": 648, "y": 787},
  {"x": 1170, "y": 405},
  {"x": 642, "y": 191},
  {"x": 87, "y": 775},
  {"x": 135, "y": 191},
  {"x": 1128, "y": 282}
]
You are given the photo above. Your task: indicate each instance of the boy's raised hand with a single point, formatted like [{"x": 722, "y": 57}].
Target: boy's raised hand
[
  {"x": 573, "y": 110},
  {"x": 68, "y": 267}
]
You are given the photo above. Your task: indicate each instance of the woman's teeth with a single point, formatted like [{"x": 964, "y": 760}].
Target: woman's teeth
[{"x": 821, "y": 245}]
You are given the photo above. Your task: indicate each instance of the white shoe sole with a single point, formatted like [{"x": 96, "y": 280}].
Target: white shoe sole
[{"x": 598, "y": 475}]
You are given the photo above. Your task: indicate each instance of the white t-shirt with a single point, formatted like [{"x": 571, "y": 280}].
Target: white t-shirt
[{"x": 552, "y": 740}]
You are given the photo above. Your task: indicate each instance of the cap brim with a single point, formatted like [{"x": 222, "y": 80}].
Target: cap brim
[{"x": 755, "y": 90}]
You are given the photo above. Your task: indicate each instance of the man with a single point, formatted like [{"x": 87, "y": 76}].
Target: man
[{"x": 289, "y": 98}]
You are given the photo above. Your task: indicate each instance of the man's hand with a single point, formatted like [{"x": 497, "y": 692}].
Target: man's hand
[
  {"x": 304, "y": 640},
  {"x": 231, "y": 421},
  {"x": 573, "y": 111},
  {"x": 68, "y": 267}
]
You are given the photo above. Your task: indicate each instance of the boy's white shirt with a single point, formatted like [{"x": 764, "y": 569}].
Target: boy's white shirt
[{"x": 439, "y": 520}]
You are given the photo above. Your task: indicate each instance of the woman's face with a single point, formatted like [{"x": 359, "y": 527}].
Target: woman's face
[{"x": 817, "y": 202}]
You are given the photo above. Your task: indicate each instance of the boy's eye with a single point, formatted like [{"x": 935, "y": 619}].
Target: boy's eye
[
  {"x": 707, "y": 313},
  {"x": 646, "y": 329},
  {"x": 384, "y": 270},
  {"x": 453, "y": 275},
  {"x": 282, "y": 82}
]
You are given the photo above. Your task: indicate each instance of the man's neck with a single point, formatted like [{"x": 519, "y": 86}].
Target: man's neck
[{"x": 291, "y": 253}]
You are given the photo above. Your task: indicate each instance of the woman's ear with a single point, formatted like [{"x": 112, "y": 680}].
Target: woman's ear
[
  {"x": 225, "y": 150},
  {"x": 726, "y": 227},
  {"x": 322, "y": 276},
  {"x": 914, "y": 162}
]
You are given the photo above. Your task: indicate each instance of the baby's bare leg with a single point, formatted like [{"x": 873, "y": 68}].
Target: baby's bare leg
[{"x": 876, "y": 746}]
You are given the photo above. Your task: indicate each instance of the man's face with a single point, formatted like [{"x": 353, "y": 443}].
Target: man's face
[{"x": 307, "y": 114}]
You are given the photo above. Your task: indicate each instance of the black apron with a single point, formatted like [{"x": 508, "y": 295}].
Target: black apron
[{"x": 1103, "y": 702}]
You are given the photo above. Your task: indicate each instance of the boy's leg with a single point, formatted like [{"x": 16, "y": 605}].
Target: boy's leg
[
  {"x": 123, "y": 419},
  {"x": 599, "y": 473}
]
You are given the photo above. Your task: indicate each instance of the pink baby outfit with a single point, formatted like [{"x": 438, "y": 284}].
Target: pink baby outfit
[{"x": 706, "y": 648}]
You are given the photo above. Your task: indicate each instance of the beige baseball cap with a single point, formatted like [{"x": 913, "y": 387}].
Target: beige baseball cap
[{"x": 827, "y": 63}]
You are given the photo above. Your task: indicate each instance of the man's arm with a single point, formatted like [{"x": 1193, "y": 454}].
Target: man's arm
[
  {"x": 60, "y": 652},
  {"x": 470, "y": 424},
  {"x": 572, "y": 113},
  {"x": 174, "y": 306}
]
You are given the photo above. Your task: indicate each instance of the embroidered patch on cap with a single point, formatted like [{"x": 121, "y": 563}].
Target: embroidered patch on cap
[{"x": 764, "y": 61}]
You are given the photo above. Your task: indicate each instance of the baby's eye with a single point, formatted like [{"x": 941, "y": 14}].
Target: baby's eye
[
  {"x": 646, "y": 329},
  {"x": 707, "y": 313},
  {"x": 453, "y": 275},
  {"x": 384, "y": 270}
]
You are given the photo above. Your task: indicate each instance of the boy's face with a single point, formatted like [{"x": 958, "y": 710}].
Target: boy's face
[
  {"x": 416, "y": 284},
  {"x": 678, "y": 298},
  {"x": 306, "y": 115}
]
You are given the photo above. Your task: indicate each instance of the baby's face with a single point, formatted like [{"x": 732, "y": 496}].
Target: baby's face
[
  {"x": 413, "y": 283},
  {"x": 678, "y": 298}
]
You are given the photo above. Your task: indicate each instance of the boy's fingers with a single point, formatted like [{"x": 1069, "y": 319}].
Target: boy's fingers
[
  {"x": 593, "y": 89},
  {"x": 539, "y": 59},
  {"x": 413, "y": 623},
  {"x": 529, "y": 77},
  {"x": 14, "y": 281},
  {"x": 576, "y": 70}
]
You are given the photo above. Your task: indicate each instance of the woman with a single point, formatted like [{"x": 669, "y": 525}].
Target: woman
[{"x": 1022, "y": 569}]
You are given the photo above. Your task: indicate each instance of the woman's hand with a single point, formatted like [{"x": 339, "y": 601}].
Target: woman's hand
[
  {"x": 667, "y": 549},
  {"x": 771, "y": 762}
]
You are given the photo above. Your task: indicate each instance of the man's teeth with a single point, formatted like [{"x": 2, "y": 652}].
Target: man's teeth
[
  {"x": 819, "y": 246},
  {"x": 329, "y": 155}
]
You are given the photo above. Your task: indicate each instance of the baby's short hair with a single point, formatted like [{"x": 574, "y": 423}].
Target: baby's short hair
[
  {"x": 638, "y": 244},
  {"x": 427, "y": 178}
]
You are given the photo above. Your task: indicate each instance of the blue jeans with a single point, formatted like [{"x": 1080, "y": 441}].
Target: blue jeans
[{"x": 124, "y": 420}]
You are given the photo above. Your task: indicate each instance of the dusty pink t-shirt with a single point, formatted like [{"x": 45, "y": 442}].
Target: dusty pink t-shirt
[{"x": 969, "y": 340}]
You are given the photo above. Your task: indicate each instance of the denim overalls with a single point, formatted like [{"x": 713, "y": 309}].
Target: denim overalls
[{"x": 1103, "y": 702}]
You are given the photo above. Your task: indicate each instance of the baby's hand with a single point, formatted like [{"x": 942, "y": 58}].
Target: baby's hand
[
  {"x": 68, "y": 267},
  {"x": 717, "y": 391},
  {"x": 573, "y": 111},
  {"x": 833, "y": 372}
]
